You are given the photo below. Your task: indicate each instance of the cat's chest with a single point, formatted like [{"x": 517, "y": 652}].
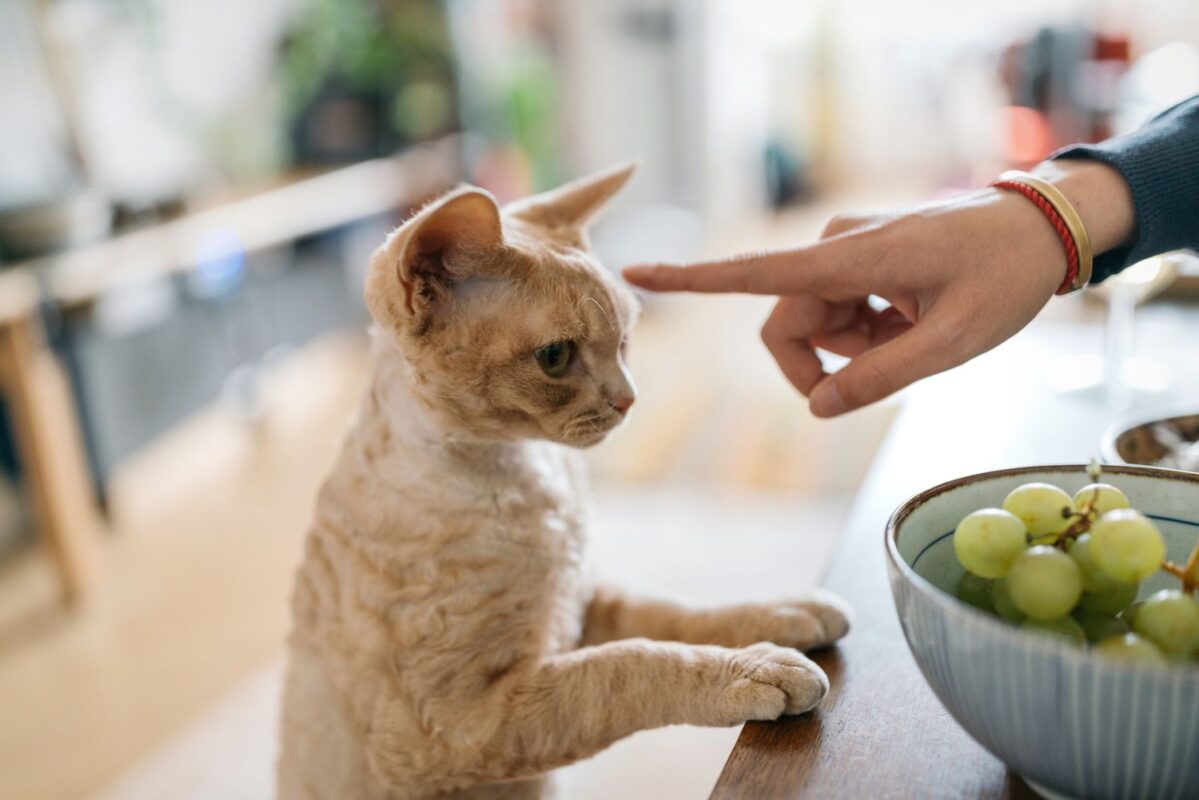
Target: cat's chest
[
  {"x": 529, "y": 515},
  {"x": 548, "y": 491},
  {"x": 545, "y": 511}
]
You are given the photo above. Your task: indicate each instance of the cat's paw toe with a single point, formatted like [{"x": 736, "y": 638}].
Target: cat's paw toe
[
  {"x": 815, "y": 621},
  {"x": 745, "y": 700},
  {"x": 834, "y": 613},
  {"x": 799, "y": 681}
]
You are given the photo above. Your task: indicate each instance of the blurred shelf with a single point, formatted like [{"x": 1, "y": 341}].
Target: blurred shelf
[{"x": 303, "y": 207}]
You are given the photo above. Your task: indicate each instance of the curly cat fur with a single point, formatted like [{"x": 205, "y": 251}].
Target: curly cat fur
[{"x": 447, "y": 640}]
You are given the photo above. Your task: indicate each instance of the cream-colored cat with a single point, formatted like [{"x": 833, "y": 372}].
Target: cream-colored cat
[{"x": 447, "y": 636}]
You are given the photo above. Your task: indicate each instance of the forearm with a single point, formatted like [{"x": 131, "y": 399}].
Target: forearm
[
  {"x": 574, "y": 704},
  {"x": 1100, "y": 195},
  {"x": 1159, "y": 168},
  {"x": 613, "y": 615},
  {"x": 812, "y": 621}
]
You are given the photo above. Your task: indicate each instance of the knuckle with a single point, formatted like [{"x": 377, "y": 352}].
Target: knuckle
[
  {"x": 769, "y": 334},
  {"x": 840, "y": 223},
  {"x": 837, "y": 224},
  {"x": 773, "y": 333},
  {"x": 871, "y": 382},
  {"x": 737, "y": 270}
]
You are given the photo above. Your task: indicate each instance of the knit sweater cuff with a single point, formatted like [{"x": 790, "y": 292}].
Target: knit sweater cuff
[{"x": 1160, "y": 162}]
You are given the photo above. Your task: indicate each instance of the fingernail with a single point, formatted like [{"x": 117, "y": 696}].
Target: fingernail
[
  {"x": 640, "y": 272},
  {"x": 826, "y": 400}
]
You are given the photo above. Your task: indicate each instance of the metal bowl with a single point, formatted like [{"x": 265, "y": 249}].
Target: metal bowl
[{"x": 1159, "y": 440}]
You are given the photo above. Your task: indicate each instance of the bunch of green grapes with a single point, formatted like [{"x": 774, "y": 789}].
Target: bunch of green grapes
[{"x": 1072, "y": 567}]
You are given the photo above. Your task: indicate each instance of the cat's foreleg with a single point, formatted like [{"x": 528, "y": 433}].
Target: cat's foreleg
[
  {"x": 814, "y": 621},
  {"x": 544, "y": 715},
  {"x": 580, "y": 702}
]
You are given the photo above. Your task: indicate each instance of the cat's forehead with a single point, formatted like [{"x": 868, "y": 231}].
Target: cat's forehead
[{"x": 571, "y": 280}]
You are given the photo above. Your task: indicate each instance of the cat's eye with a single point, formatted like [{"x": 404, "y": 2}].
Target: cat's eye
[{"x": 555, "y": 358}]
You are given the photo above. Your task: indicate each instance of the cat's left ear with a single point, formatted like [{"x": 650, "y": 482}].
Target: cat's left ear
[
  {"x": 576, "y": 203},
  {"x": 446, "y": 243}
]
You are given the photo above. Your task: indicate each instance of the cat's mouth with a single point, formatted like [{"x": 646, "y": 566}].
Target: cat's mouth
[{"x": 591, "y": 427}]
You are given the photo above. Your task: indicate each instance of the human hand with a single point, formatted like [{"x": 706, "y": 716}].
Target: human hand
[{"x": 960, "y": 276}]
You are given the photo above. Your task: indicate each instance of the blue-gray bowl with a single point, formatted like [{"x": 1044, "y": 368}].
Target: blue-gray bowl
[{"x": 1073, "y": 724}]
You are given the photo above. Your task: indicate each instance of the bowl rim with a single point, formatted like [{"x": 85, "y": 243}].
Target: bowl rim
[
  {"x": 1110, "y": 435},
  {"x": 954, "y": 607}
]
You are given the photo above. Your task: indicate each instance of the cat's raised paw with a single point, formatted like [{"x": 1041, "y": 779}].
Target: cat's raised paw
[{"x": 770, "y": 681}]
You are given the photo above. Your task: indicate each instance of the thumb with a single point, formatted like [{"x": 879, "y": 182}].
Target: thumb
[{"x": 928, "y": 347}]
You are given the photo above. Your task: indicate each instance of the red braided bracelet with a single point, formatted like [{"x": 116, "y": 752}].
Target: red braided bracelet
[{"x": 1055, "y": 219}]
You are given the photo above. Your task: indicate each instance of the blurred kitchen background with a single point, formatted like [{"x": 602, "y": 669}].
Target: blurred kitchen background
[{"x": 189, "y": 191}]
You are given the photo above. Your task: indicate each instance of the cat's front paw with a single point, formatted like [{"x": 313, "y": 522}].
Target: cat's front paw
[
  {"x": 817, "y": 620},
  {"x": 769, "y": 681}
]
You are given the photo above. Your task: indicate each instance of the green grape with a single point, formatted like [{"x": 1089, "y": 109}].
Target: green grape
[
  {"x": 1099, "y": 626},
  {"x": 1066, "y": 627},
  {"x": 1129, "y": 614},
  {"x": 975, "y": 591},
  {"x": 1093, "y": 578},
  {"x": 1109, "y": 498},
  {"x": 1001, "y": 599},
  {"x": 1126, "y": 545},
  {"x": 1131, "y": 649},
  {"x": 987, "y": 541},
  {"x": 1045, "y": 583},
  {"x": 1042, "y": 508},
  {"x": 1110, "y": 601},
  {"x": 1170, "y": 619}
]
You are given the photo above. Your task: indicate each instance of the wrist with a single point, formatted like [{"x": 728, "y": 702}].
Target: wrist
[
  {"x": 1099, "y": 194},
  {"x": 1018, "y": 228},
  {"x": 1062, "y": 217}
]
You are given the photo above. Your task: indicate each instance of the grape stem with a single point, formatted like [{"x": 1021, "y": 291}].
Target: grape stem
[
  {"x": 1188, "y": 573},
  {"x": 1085, "y": 516}
]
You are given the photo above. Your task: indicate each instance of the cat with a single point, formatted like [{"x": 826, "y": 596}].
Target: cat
[{"x": 447, "y": 639}]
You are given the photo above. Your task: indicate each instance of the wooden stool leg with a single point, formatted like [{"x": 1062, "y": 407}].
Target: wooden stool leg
[{"x": 50, "y": 450}]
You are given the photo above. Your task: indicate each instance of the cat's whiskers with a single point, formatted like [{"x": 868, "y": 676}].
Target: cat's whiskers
[
  {"x": 594, "y": 416},
  {"x": 591, "y": 420}
]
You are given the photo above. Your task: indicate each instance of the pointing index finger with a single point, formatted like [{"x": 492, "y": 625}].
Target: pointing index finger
[{"x": 833, "y": 264}]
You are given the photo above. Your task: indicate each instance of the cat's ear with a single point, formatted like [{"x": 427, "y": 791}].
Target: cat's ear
[
  {"x": 576, "y": 203},
  {"x": 422, "y": 259}
]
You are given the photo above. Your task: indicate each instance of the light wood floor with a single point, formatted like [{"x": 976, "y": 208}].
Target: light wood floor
[{"x": 197, "y": 569}]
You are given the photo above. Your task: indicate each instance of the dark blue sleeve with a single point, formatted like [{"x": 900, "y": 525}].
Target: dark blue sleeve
[{"x": 1161, "y": 164}]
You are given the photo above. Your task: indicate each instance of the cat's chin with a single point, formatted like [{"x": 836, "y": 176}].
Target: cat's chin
[
  {"x": 591, "y": 440},
  {"x": 586, "y": 439}
]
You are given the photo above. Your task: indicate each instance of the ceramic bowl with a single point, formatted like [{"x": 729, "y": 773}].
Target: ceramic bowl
[
  {"x": 1071, "y": 723},
  {"x": 1140, "y": 440}
]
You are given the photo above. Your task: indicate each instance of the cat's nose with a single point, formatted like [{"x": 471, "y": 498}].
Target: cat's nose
[{"x": 623, "y": 404}]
